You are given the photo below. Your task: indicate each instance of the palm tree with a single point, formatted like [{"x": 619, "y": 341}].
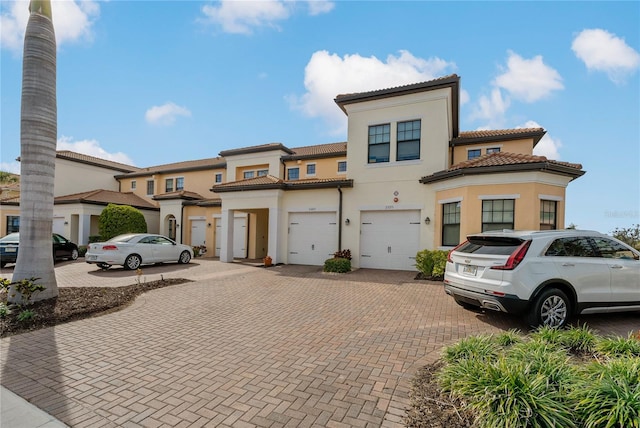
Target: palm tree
[{"x": 38, "y": 133}]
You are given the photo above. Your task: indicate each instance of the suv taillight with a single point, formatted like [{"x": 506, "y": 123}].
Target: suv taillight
[
  {"x": 515, "y": 258},
  {"x": 451, "y": 251}
]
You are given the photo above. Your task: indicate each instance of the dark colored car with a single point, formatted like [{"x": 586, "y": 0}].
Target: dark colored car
[{"x": 63, "y": 249}]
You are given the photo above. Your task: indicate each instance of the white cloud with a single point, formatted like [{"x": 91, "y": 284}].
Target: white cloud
[
  {"x": 528, "y": 80},
  {"x": 491, "y": 109},
  {"x": 328, "y": 75},
  {"x": 318, "y": 7},
  {"x": 91, "y": 148},
  {"x": 240, "y": 17},
  {"x": 72, "y": 21},
  {"x": 243, "y": 16},
  {"x": 165, "y": 114},
  {"x": 603, "y": 51},
  {"x": 547, "y": 146},
  {"x": 12, "y": 167}
]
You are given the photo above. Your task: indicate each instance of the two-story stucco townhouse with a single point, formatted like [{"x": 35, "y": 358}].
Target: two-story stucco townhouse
[{"x": 407, "y": 179}]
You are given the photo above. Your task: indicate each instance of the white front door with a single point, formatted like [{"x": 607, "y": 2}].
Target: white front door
[
  {"x": 389, "y": 239},
  {"x": 313, "y": 238},
  {"x": 198, "y": 232}
]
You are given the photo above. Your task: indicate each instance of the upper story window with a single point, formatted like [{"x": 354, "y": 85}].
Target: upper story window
[
  {"x": 149, "y": 187},
  {"x": 451, "y": 224},
  {"x": 493, "y": 150},
  {"x": 342, "y": 167},
  {"x": 379, "y": 143},
  {"x": 311, "y": 169},
  {"x": 548, "y": 215},
  {"x": 293, "y": 173},
  {"x": 498, "y": 214},
  {"x": 263, "y": 172},
  {"x": 408, "y": 140},
  {"x": 218, "y": 178},
  {"x": 133, "y": 184},
  {"x": 180, "y": 183},
  {"x": 472, "y": 154},
  {"x": 168, "y": 185},
  {"x": 248, "y": 174},
  {"x": 13, "y": 223}
]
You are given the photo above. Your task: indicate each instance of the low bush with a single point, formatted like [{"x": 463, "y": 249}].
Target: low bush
[
  {"x": 82, "y": 250},
  {"x": 342, "y": 254},
  {"x": 337, "y": 265},
  {"x": 431, "y": 263},
  {"x": 552, "y": 378}
]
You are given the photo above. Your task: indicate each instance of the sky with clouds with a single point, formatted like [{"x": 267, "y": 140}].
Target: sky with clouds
[{"x": 153, "y": 82}]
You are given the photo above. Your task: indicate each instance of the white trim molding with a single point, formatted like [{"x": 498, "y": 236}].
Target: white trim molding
[
  {"x": 449, "y": 200},
  {"x": 485, "y": 197},
  {"x": 550, "y": 198}
]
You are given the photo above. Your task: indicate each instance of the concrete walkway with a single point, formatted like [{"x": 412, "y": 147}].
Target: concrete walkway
[{"x": 246, "y": 347}]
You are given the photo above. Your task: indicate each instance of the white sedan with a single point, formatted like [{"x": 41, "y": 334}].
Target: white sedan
[{"x": 134, "y": 249}]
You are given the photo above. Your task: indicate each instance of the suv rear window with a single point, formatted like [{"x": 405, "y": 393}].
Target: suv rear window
[{"x": 496, "y": 245}]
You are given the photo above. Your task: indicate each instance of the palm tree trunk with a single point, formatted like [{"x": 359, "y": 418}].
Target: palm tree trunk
[{"x": 38, "y": 135}]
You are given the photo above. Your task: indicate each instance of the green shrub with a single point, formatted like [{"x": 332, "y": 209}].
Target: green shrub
[
  {"x": 94, "y": 238},
  {"x": 609, "y": 395},
  {"x": 480, "y": 347},
  {"x": 82, "y": 250},
  {"x": 25, "y": 315},
  {"x": 431, "y": 263},
  {"x": 509, "y": 338},
  {"x": 337, "y": 265},
  {"x": 118, "y": 219},
  {"x": 4, "y": 310},
  {"x": 26, "y": 288},
  {"x": 619, "y": 346},
  {"x": 342, "y": 254}
]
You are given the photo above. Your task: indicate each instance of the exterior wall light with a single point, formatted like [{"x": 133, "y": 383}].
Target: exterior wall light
[
  {"x": 347, "y": 221},
  {"x": 427, "y": 220}
]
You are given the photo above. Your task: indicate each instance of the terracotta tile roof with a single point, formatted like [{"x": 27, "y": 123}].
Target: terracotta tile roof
[
  {"x": 471, "y": 137},
  {"x": 271, "y": 182},
  {"x": 92, "y": 160},
  {"x": 10, "y": 200},
  {"x": 318, "y": 151},
  {"x": 192, "y": 165},
  {"x": 104, "y": 197},
  {"x": 181, "y": 194},
  {"x": 213, "y": 202},
  {"x": 506, "y": 162},
  {"x": 256, "y": 149}
]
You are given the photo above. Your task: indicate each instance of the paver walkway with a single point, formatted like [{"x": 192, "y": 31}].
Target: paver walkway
[{"x": 254, "y": 347}]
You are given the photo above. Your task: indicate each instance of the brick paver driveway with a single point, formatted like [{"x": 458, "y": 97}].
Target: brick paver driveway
[{"x": 247, "y": 346}]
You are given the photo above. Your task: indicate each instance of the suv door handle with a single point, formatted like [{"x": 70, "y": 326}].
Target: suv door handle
[
  {"x": 616, "y": 266},
  {"x": 567, "y": 264}
]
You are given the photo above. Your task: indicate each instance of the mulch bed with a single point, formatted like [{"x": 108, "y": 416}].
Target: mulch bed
[
  {"x": 75, "y": 303},
  {"x": 431, "y": 407}
]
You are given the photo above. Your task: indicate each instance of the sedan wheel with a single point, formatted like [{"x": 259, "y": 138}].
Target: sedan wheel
[
  {"x": 551, "y": 309},
  {"x": 185, "y": 257},
  {"x": 133, "y": 261},
  {"x": 74, "y": 255}
]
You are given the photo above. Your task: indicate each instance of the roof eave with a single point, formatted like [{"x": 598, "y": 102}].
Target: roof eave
[
  {"x": 535, "y": 135},
  {"x": 497, "y": 169}
]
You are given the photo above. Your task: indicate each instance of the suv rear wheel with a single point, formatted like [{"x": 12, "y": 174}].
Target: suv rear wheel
[{"x": 551, "y": 308}]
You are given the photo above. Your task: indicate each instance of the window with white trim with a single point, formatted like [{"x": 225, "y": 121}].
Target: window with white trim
[
  {"x": 548, "y": 211},
  {"x": 293, "y": 173},
  {"x": 180, "y": 183},
  {"x": 342, "y": 166},
  {"x": 493, "y": 150},
  {"x": 311, "y": 169},
  {"x": 451, "y": 224},
  {"x": 218, "y": 178},
  {"x": 248, "y": 174},
  {"x": 150, "y": 187},
  {"x": 498, "y": 214},
  {"x": 472, "y": 154},
  {"x": 379, "y": 143},
  {"x": 133, "y": 184},
  {"x": 263, "y": 172},
  {"x": 408, "y": 141},
  {"x": 168, "y": 185}
]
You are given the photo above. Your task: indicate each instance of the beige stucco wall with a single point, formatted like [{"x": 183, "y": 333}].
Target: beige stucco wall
[
  {"x": 240, "y": 170},
  {"x": 524, "y": 146},
  {"x": 266, "y": 160},
  {"x": 76, "y": 177},
  {"x": 194, "y": 181},
  {"x": 526, "y": 188},
  {"x": 206, "y": 213},
  {"x": 325, "y": 168}
]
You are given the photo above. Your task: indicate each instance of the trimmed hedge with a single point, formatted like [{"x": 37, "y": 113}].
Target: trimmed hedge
[
  {"x": 118, "y": 219},
  {"x": 338, "y": 265}
]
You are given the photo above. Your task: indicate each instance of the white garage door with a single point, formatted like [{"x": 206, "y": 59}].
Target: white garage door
[
  {"x": 389, "y": 239},
  {"x": 239, "y": 237},
  {"x": 58, "y": 225},
  {"x": 313, "y": 238}
]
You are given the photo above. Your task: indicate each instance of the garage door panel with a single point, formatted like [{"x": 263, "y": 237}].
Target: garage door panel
[
  {"x": 389, "y": 239},
  {"x": 313, "y": 237},
  {"x": 239, "y": 237}
]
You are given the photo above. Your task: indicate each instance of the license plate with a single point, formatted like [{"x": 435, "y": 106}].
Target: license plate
[
  {"x": 469, "y": 270},
  {"x": 92, "y": 257},
  {"x": 10, "y": 250}
]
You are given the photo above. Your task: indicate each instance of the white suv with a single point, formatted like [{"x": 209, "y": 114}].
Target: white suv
[{"x": 548, "y": 276}]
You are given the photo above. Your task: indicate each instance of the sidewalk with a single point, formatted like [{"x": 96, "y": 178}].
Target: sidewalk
[{"x": 16, "y": 412}]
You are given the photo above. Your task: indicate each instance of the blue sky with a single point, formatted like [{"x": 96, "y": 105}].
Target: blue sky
[{"x": 154, "y": 82}]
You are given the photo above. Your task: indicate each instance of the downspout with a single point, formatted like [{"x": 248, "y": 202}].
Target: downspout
[
  {"x": 181, "y": 219},
  {"x": 340, "y": 220}
]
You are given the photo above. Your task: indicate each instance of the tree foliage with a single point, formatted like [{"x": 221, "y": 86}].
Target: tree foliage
[
  {"x": 630, "y": 235},
  {"x": 118, "y": 219}
]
